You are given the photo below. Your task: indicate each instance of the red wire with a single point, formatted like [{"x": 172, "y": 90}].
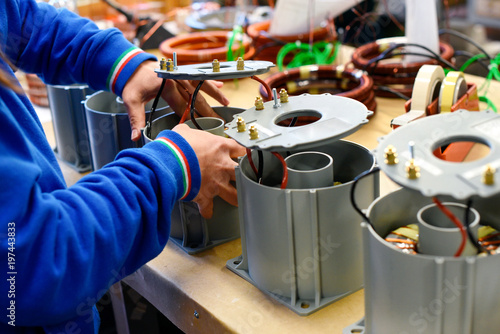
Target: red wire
[
  {"x": 186, "y": 111},
  {"x": 266, "y": 86},
  {"x": 250, "y": 160},
  {"x": 455, "y": 221},
  {"x": 284, "y": 180}
]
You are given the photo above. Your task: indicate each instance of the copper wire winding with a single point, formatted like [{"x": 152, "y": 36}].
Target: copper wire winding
[
  {"x": 203, "y": 47},
  {"x": 267, "y": 47},
  {"x": 398, "y": 76},
  {"x": 335, "y": 80}
]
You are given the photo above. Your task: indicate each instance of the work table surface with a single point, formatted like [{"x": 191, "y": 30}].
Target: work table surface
[{"x": 200, "y": 295}]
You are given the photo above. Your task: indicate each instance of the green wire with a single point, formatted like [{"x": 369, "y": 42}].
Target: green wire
[
  {"x": 471, "y": 60},
  {"x": 322, "y": 53},
  {"x": 490, "y": 104},
  {"x": 494, "y": 73},
  {"x": 237, "y": 31}
]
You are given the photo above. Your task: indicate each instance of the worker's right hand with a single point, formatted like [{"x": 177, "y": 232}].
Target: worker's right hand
[
  {"x": 144, "y": 84},
  {"x": 215, "y": 156}
]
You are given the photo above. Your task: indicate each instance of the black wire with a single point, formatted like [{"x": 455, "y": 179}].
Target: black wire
[
  {"x": 466, "y": 38},
  {"x": 388, "y": 53},
  {"x": 192, "y": 109},
  {"x": 404, "y": 53},
  {"x": 353, "y": 188},
  {"x": 260, "y": 169},
  {"x": 153, "y": 107},
  {"x": 467, "y": 228},
  {"x": 272, "y": 38},
  {"x": 392, "y": 91},
  {"x": 461, "y": 53}
]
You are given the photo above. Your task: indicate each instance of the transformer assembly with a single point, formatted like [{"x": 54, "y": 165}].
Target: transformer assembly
[
  {"x": 301, "y": 241},
  {"x": 431, "y": 247}
]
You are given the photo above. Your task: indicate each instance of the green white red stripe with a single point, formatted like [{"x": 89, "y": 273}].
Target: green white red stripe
[
  {"x": 183, "y": 163},
  {"x": 119, "y": 64}
]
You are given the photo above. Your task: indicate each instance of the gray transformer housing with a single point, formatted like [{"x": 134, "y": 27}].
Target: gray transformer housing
[
  {"x": 303, "y": 246},
  {"x": 418, "y": 293},
  {"x": 189, "y": 230},
  {"x": 433, "y": 294},
  {"x": 70, "y": 127}
]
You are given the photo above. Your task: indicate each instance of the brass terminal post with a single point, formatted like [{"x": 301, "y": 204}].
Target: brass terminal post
[
  {"x": 163, "y": 64},
  {"x": 254, "y": 133},
  {"x": 259, "y": 103},
  {"x": 489, "y": 175},
  {"x": 283, "y": 95},
  {"x": 240, "y": 123},
  {"x": 412, "y": 170},
  {"x": 215, "y": 65},
  {"x": 240, "y": 64},
  {"x": 391, "y": 157},
  {"x": 170, "y": 65}
]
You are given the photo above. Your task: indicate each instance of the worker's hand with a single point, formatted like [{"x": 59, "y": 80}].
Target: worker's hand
[
  {"x": 215, "y": 156},
  {"x": 144, "y": 84}
]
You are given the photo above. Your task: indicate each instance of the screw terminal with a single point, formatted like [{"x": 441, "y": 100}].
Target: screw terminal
[
  {"x": 283, "y": 95},
  {"x": 215, "y": 65},
  {"x": 259, "y": 103},
  {"x": 391, "y": 157},
  {"x": 412, "y": 170},
  {"x": 163, "y": 64},
  {"x": 489, "y": 175},
  {"x": 240, "y": 64},
  {"x": 254, "y": 133},
  {"x": 240, "y": 123},
  {"x": 170, "y": 65}
]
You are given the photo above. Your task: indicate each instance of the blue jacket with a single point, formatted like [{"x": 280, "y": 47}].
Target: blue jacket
[{"x": 61, "y": 248}]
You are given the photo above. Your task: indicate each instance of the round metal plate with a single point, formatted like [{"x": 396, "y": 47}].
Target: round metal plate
[
  {"x": 338, "y": 117},
  {"x": 227, "y": 71},
  {"x": 439, "y": 177}
]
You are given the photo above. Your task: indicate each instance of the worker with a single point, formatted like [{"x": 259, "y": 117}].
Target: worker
[{"x": 61, "y": 247}]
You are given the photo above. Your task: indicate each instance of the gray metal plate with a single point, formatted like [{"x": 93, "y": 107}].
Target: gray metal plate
[
  {"x": 339, "y": 117},
  {"x": 227, "y": 71},
  {"x": 439, "y": 177}
]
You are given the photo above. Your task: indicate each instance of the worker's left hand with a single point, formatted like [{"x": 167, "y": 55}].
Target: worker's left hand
[
  {"x": 144, "y": 84},
  {"x": 216, "y": 156}
]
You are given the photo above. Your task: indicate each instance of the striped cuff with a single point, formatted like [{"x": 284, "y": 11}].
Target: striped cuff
[
  {"x": 182, "y": 161},
  {"x": 119, "y": 65}
]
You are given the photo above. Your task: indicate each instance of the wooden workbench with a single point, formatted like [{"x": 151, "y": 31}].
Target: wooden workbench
[{"x": 199, "y": 295}]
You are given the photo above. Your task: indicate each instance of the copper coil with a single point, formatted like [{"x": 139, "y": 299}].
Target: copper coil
[
  {"x": 364, "y": 54},
  {"x": 203, "y": 47},
  {"x": 267, "y": 48},
  {"x": 324, "y": 79}
]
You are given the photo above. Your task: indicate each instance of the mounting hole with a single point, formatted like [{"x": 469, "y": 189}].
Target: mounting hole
[
  {"x": 302, "y": 117},
  {"x": 304, "y": 305},
  {"x": 356, "y": 331},
  {"x": 462, "y": 149},
  {"x": 236, "y": 262}
]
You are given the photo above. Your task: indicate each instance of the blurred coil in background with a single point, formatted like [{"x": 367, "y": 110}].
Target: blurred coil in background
[
  {"x": 203, "y": 47},
  {"x": 335, "y": 80}
]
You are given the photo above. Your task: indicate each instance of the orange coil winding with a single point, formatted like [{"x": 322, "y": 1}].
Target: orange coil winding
[
  {"x": 203, "y": 47},
  {"x": 335, "y": 80}
]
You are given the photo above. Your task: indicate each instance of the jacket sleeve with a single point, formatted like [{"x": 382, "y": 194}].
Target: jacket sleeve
[
  {"x": 72, "y": 244},
  {"x": 63, "y": 48}
]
